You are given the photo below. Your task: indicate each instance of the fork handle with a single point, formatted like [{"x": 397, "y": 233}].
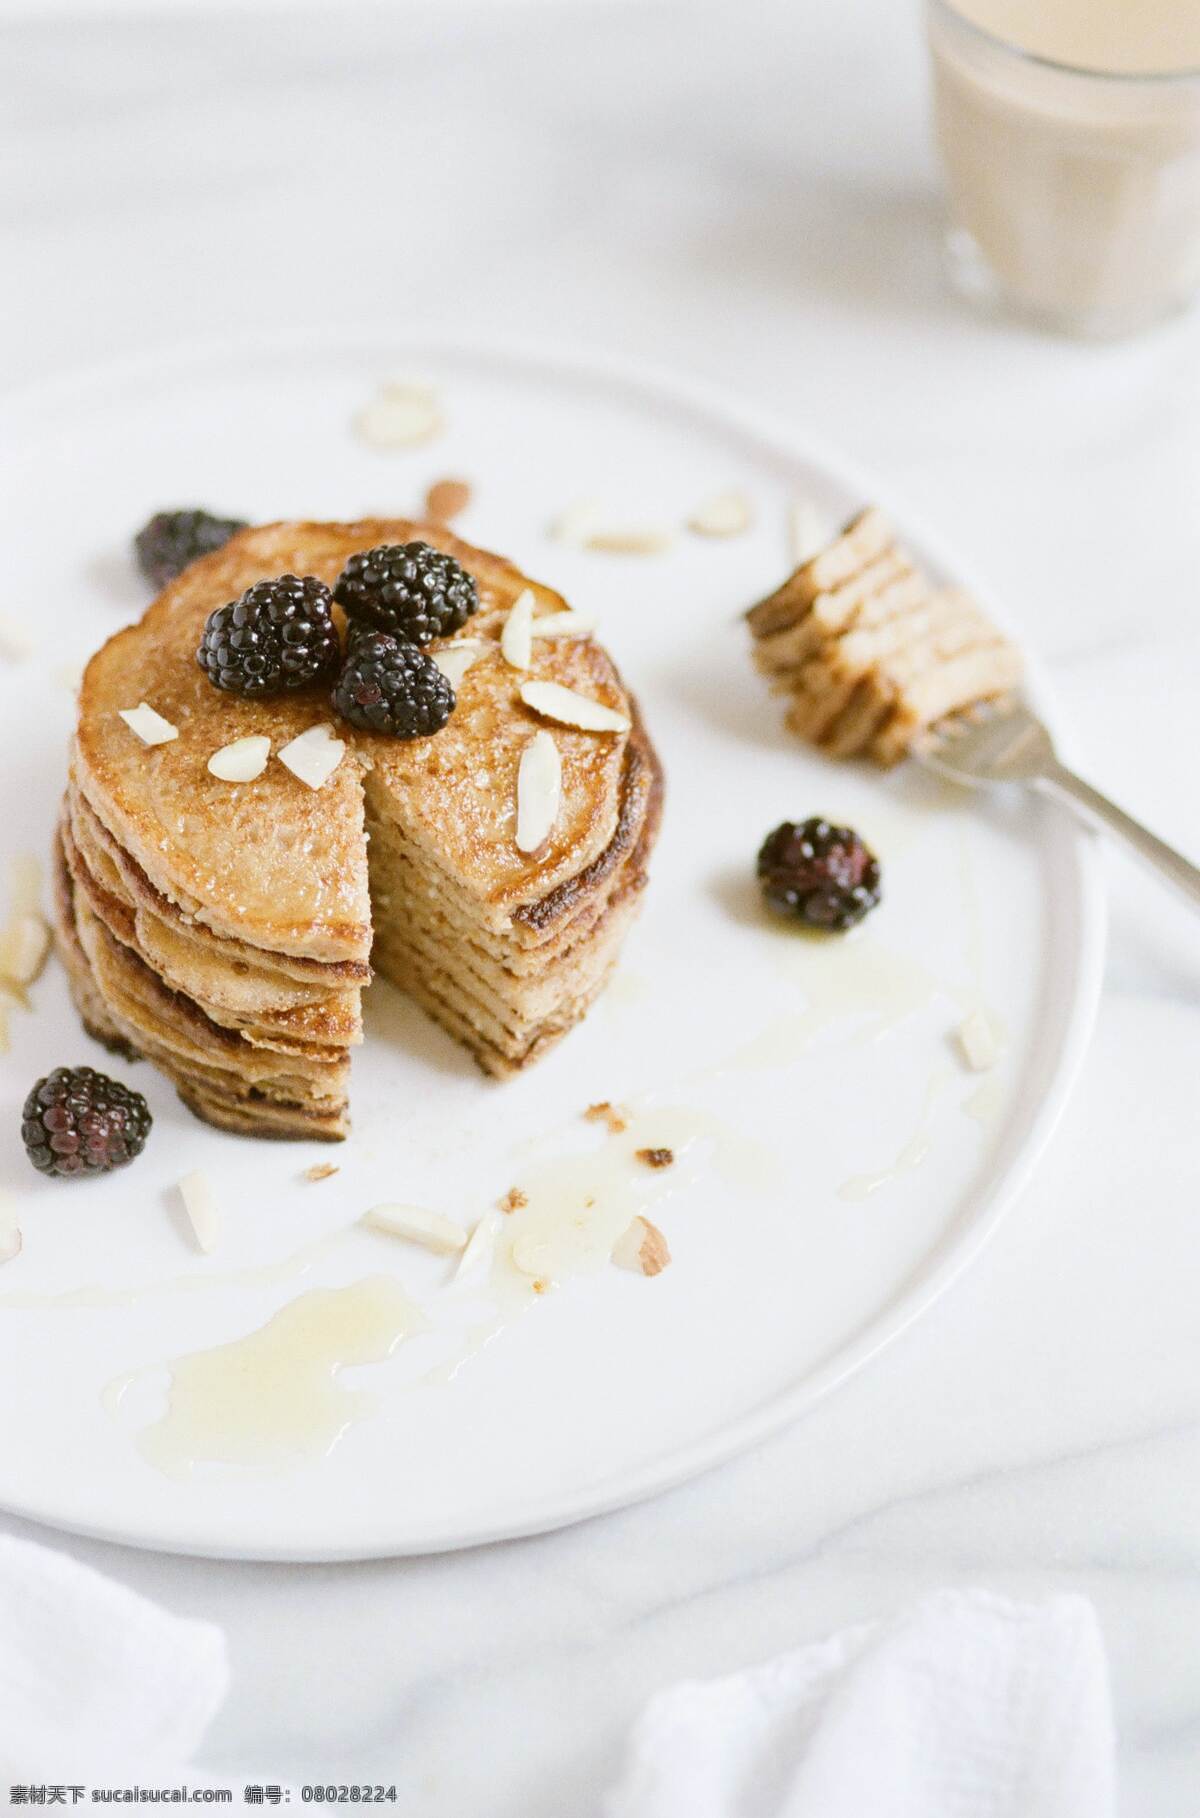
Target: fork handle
[{"x": 1164, "y": 859}]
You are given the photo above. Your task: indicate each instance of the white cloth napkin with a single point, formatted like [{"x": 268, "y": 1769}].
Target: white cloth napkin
[
  {"x": 97, "y": 1684},
  {"x": 966, "y": 1706}
]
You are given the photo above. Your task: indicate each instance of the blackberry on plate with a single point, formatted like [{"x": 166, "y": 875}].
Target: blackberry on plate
[
  {"x": 819, "y": 874},
  {"x": 79, "y": 1122},
  {"x": 280, "y": 635},
  {"x": 390, "y": 686},
  {"x": 172, "y": 539},
  {"x": 408, "y": 589}
]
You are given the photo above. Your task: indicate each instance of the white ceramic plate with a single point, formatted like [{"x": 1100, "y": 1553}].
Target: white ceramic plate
[{"x": 823, "y": 1063}]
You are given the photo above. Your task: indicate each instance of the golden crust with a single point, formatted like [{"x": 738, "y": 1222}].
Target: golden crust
[
  {"x": 639, "y": 812},
  {"x": 277, "y": 865},
  {"x": 97, "y": 841},
  {"x": 214, "y": 1092},
  {"x": 298, "y": 1035}
]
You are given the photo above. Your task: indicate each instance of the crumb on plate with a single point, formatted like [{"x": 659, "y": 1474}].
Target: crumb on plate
[{"x": 606, "y": 1113}]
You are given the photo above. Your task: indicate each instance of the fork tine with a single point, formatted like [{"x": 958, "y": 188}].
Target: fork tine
[{"x": 985, "y": 745}]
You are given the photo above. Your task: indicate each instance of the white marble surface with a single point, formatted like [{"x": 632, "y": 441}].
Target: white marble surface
[{"x": 747, "y": 193}]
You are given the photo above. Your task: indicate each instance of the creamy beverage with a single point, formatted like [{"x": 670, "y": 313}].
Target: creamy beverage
[
  {"x": 1070, "y": 133},
  {"x": 1116, "y": 37}
]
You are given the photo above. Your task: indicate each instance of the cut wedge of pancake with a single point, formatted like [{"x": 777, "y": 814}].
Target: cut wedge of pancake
[
  {"x": 869, "y": 652},
  {"x": 226, "y": 930}
]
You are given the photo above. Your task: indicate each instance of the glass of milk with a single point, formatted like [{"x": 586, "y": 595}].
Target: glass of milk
[{"x": 1070, "y": 135}]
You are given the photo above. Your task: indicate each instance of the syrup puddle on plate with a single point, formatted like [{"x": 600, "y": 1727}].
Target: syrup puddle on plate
[
  {"x": 914, "y": 1151},
  {"x": 273, "y": 1397},
  {"x": 577, "y": 1206},
  {"x": 857, "y": 977},
  {"x": 288, "y": 1268},
  {"x": 862, "y": 979}
]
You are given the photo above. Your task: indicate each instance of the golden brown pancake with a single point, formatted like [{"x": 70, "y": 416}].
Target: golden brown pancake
[
  {"x": 870, "y": 652},
  {"x": 225, "y": 930}
]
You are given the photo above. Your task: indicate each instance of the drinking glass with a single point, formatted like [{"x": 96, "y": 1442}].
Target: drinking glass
[{"x": 1074, "y": 194}]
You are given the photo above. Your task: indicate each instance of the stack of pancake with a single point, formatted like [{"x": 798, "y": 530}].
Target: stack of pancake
[
  {"x": 226, "y": 930},
  {"x": 870, "y": 652}
]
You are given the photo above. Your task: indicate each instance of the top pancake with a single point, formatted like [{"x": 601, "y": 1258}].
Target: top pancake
[{"x": 283, "y": 867}]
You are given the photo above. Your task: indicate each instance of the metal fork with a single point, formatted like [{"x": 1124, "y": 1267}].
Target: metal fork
[{"x": 1011, "y": 745}]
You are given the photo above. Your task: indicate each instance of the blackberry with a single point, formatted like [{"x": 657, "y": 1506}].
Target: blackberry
[
  {"x": 389, "y": 686},
  {"x": 819, "y": 874},
  {"x": 79, "y": 1122},
  {"x": 408, "y": 589},
  {"x": 280, "y": 635},
  {"x": 172, "y": 539}
]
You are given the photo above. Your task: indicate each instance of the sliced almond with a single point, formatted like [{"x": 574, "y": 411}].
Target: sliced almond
[
  {"x": 200, "y": 1204},
  {"x": 808, "y": 533},
  {"x": 642, "y": 1248},
  {"x": 564, "y": 625},
  {"x": 403, "y": 415},
  {"x": 432, "y": 1230},
  {"x": 10, "y": 1230},
  {"x": 447, "y": 498},
  {"x": 576, "y": 523},
  {"x": 477, "y": 1257},
  {"x": 630, "y": 539},
  {"x": 726, "y": 514},
  {"x": 23, "y": 949},
  {"x": 321, "y": 1171},
  {"x": 539, "y": 792},
  {"x": 313, "y": 756},
  {"x": 242, "y": 761},
  {"x": 571, "y": 709},
  {"x": 150, "y": 727},
  {"x": 978, "y": 1041},
  {"x": 458, "y": 657},
  {"x": 516, "y": 640}
]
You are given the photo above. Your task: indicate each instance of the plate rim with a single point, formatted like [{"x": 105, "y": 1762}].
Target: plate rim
[{"x": 996, "y": 1197}]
